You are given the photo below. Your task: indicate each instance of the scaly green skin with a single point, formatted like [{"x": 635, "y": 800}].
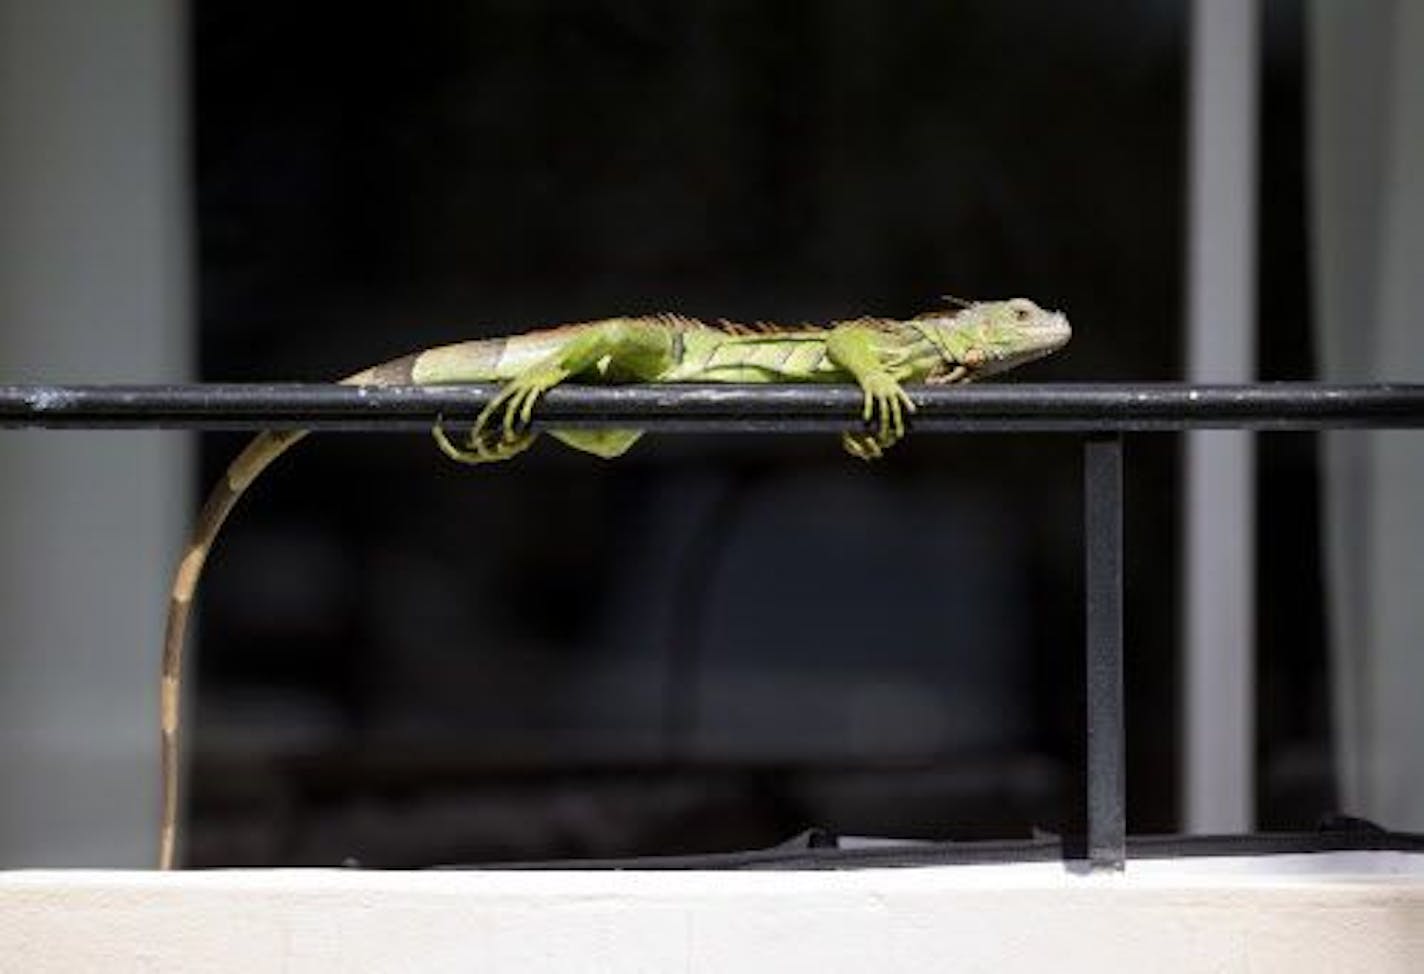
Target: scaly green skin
[{"x": 877, "y": 354}]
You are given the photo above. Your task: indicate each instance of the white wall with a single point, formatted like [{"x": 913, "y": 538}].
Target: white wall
[
  {"x": 93, "y": 288},
  {"x": 1367, "y": 204}
]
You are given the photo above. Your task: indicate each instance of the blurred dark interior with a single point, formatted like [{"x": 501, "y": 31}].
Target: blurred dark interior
[{"x": 712, "y": 643}]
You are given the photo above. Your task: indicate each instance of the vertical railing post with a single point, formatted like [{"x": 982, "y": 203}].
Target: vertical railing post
[{"x": 1106, "y": 756}]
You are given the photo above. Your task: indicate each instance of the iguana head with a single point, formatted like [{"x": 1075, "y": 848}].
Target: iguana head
[{"x": 992, "y": 336}]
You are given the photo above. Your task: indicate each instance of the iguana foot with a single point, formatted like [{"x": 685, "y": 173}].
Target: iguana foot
[
  {"x": 887, "y": 402},
  {"x": 482, "y": 447},
  {"x": 516, "y": 402}
]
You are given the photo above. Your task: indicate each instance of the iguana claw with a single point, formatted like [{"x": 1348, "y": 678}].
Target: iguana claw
[
  {"x": 862, "y": 446},
  {"x": 482, "y": 448}
]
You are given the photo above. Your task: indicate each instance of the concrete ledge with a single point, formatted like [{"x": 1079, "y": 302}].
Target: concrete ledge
[{"x": 1336, "y": 912}]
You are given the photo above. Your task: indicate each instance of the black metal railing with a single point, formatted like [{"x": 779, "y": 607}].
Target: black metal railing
[
  {"x": 1081, "y": 408},
  {"x": 1102, "y": 414}
]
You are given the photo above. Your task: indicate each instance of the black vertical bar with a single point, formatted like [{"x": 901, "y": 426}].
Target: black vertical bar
[{"x": 1102, "y": 514}]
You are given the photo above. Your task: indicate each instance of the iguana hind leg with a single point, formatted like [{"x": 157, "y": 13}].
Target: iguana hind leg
[{"x": 631, "y": 348}]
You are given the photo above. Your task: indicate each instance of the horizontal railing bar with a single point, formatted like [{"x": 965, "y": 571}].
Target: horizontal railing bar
[{"x": 713, "y": 408}]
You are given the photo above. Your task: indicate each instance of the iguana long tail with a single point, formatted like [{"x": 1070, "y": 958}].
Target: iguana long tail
[
  {"x": 473, "y": 361},
  {"x": 264, "y": 448}
]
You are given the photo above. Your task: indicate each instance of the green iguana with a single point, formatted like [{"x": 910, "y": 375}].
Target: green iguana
[{"x": 878, "y": 354}]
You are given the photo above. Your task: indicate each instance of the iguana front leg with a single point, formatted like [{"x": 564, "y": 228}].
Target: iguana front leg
[{"x": 852, "y": 347}]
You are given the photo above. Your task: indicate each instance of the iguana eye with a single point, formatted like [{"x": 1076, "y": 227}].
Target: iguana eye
[{"x": 1022, "y": 313}]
